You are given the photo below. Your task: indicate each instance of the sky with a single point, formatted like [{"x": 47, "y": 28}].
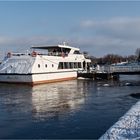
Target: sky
[{"x": 98, "y": 27}]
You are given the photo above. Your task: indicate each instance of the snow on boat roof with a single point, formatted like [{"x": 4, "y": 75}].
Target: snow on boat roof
[{"x": 54, "y": 47}]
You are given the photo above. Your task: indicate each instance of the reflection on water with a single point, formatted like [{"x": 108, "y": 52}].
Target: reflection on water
[
  {"x": 15, "y": 98},
  {"x": 44, "y": 101},
  {"x": 56, "y": 99}
]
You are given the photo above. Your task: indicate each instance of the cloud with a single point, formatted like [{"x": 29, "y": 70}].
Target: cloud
[
  {"x": 23, "y": 43},
  {"x": 121, "y": 27},
  {"x": 88, "y": 24},
  {"x": 118, "y": 35},
  {"x": 96, "y": 46}
]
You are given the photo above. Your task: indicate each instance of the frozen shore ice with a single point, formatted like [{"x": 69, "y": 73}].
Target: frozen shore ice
[{"x": 127, "y": 127}]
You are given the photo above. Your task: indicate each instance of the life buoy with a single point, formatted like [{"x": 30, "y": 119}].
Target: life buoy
[{"x": 34, "y": 54}]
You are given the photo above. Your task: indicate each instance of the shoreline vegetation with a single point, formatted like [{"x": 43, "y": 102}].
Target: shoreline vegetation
[{"x": 114, "y": 58}]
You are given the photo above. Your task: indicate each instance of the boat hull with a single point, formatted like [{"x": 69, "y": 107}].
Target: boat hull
[{"x": 38, "y": 78}]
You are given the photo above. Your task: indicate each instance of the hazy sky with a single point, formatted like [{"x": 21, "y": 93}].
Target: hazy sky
[{"x": 98, "y": 27}]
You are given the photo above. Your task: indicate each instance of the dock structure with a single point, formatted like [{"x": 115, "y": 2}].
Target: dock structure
[
  {"x": 109, "y": 72},
  {"x": 98, "y": 76},
  {"x": 124, "y": 69},
  {"x": 127, "y": 127}
]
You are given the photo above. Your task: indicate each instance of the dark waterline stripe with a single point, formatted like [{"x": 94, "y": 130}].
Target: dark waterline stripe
[{"x": 36, "y": 73}]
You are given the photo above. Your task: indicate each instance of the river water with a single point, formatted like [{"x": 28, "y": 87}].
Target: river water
[{"x": 77, "y": 109}]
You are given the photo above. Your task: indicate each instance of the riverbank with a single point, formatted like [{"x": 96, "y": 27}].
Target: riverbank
[{"x": 128, "y": 126}]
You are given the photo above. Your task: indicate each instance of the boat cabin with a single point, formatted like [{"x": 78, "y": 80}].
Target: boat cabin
[{"x": 58, "y": 50}]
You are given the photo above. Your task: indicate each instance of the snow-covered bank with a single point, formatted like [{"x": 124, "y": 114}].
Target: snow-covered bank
[{"x": 128, "y": 126}]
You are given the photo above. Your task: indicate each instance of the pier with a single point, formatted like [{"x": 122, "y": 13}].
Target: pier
[
  {"x": 98, "y": 76},
  {"x": 125, "y": 70},
  {"x": 110, "y": 71}
]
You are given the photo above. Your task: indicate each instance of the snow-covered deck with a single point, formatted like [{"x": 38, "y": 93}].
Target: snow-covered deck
[{"x": 128, "y": 126}]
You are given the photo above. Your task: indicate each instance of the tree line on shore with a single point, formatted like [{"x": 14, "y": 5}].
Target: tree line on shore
[{"x": 114, "y": 58}]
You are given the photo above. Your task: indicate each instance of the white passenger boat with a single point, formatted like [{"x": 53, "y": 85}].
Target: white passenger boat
[{"x": 44, "y": 64}]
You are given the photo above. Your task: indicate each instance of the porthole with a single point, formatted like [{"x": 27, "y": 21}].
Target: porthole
[
  {"x": 38, "y": 65},
  {"x": 46, "y": 65}
]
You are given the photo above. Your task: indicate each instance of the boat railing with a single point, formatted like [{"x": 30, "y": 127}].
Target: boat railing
[
  {"x": 57, "y": 54},
  {"x": 18, "y": 54},
  {"x": 126, "y": 68},
  {"x": 61, "y": 54}
]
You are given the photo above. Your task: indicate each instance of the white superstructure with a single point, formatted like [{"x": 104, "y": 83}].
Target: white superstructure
[{"x": 43, "y": 65}]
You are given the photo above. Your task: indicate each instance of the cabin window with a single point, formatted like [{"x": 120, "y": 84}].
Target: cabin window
[
  {"x": 79, "y": 65},
  {"x": 38, "y": 65},
  {"x": 52, "y": 65},
  {"x": 71, "y": 65},
  {"x": 76, "y": 52},
  {"x": 88, "y": 66},
  {"x": 66, "y": 51},
  {"x": 46, "y": 65},
  {"x": 66, "y": 65},
  {"x": 75, "y": 64},
  {"x": 60, "y": 66}
]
